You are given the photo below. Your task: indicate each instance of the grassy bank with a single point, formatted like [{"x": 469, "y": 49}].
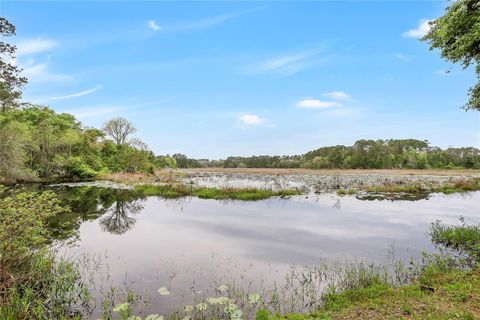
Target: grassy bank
[
  {"x": 178, "y": 190},
  {"x": 438, "y": 294}
]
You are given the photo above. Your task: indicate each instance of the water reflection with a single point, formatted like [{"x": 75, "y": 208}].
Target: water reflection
[
  {"x": 200, "y": 240},
  {"x": 119, "y": 218},
  {"x": 114, "y": 208}
]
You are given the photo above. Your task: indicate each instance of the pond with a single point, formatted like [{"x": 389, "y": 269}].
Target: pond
[{"x": 192, "y": 245}]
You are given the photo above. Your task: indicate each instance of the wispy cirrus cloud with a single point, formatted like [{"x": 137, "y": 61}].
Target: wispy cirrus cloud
[
  {"x": 285, "y": 65},
  {"x": 420, "y": 31},
  {"x": 212, "y": 21},
  {"x": 27, "y": 54},
  {"x": 103, "y": 110},
  {"x": 77, "y": 94},
  {"x": 34, "y": 46},
  {"x": 401, "y": 56},
  {"x": 40, "y": 73},
  {"x": 63, "y": 97}
]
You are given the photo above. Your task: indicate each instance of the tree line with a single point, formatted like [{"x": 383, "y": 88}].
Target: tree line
[
  {"x": 37, "y": 142},
  {"x": 368, "y": 154}
]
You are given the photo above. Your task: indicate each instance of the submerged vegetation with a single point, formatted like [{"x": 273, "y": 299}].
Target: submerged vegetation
[{"x": 178, "y": 190}]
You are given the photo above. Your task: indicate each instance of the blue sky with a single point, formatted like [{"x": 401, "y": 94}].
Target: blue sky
[{"x": 212, "y": 79}]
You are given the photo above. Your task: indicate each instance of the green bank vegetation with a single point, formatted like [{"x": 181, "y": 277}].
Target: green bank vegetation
[
  {"x": 33, "y": 283},
  {"x": 459, "y": 185},
  {"x": 179, "y": 190}
]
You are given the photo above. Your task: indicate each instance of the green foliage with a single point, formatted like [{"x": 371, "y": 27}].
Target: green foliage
[
  {"x": 460, "y": 185},
  {"x": 457, "y": 35},
  {"x": 38, "y": 141},
  {"x": 368, "y": 154},
  {"x": 182, "y": 161},
  {"x": 464, "y": 239},
  {"x": 11, "y": 81},
  {"x": 33, "y": 284},
  {"x": 165, "y": 162},
  {"x": 177, "y": 191},
  {"x": 22, "y": 226}
]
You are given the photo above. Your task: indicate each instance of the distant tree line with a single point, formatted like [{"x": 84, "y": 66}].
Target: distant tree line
[{"x": 368, "y": 154}]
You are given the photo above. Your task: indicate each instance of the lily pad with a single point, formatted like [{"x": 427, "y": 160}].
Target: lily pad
[
  {"x": 223, "y": 287},
  {"x": 253, "y": 298},
  {"x": 201, "y": 306},
  {"x": 219, "y": 300},
  {"x": 188, "y": 308},
  {"x": 163, "y": 291},
  {"x": 123, "y": 307}
]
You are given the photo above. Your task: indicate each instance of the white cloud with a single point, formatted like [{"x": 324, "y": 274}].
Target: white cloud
[
  {"x": 101, "y": 110},
  {"x": 422, "y": 29},
  {"x": 34, "y": 46},
  {"x": 403, "y": 57},
  {"x": 94, "y": 112},
  {"x": 78, "y": 94},
  {"x": 337, "y": 95},
  {"x": 212, "y": 21},
  {"x": 152, "y": 24},
  {"x": 310, "y": 103},
  {"x": 285, "y": 65},
  {"x": 39, "y": 73},
  {"x": 251, "y": 120}
]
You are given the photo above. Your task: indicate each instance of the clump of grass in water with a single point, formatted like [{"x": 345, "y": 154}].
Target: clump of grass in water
[
  {"x": 344, "y": 192},
  {"x": 460, "y": 185},
  {"x": 178, "y": 190},
  {"x": 463, "y": 239}
]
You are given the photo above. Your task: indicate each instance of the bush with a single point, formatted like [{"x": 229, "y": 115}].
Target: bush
[
  {"x": 75, "y": 167},
  {"x": 33, "y": 284}
]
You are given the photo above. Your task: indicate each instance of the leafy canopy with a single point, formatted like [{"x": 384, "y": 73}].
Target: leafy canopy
[{"x": 457, "y": 35}]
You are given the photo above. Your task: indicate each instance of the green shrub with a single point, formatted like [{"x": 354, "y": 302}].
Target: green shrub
[
  {"x": 33, "y": 284},
  {"x": 463, "y": 239}
]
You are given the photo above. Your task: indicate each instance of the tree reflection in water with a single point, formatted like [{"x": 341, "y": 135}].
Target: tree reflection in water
[{"x": 118, "y": 219}]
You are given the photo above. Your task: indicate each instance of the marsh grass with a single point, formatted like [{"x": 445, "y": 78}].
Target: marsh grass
[
  {"x": 462, "y": 240},
  {"x": 179, "y": 190},
  {"x": 459, "y": 185}
]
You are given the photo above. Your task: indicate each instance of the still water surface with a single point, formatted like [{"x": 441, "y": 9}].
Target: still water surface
[{"x": 192, "y": 244}]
